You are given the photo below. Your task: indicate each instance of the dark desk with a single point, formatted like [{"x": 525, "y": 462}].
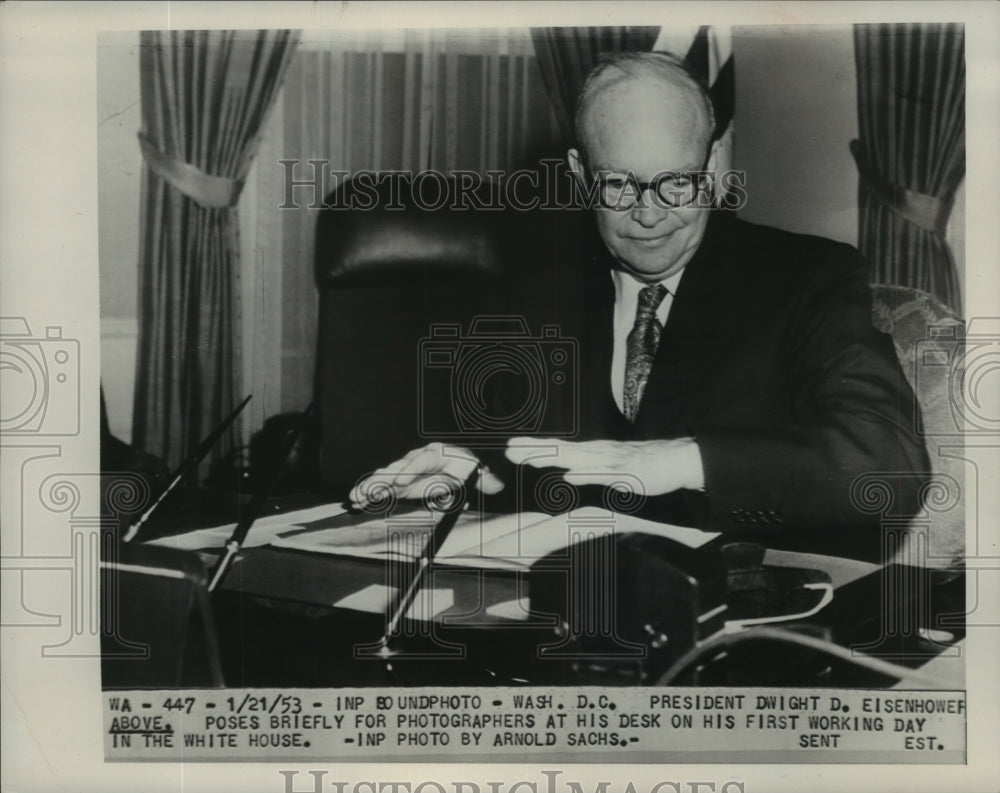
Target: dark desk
[{"x": 279, "y": 625}]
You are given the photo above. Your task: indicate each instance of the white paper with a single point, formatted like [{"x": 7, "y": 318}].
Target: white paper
[
  {"x": 264, "y": 530},
  {"x": 375, "y": 598},
  {"x": 512, "y": 541}
]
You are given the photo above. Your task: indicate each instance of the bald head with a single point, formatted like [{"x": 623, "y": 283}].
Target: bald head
[
  {"x": 642, "y": 116},
  {"x": 625, "y": 84}
]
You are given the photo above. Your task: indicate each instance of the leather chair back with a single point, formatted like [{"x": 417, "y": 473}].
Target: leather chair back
[{"x": 388, "y": 271}]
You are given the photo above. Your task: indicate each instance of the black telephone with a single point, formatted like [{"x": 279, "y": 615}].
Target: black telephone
[
  {"x": 242, "y": 469},
  {"x": 627, "y": 607}
]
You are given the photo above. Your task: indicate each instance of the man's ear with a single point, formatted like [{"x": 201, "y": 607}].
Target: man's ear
[
  {"x": 575, "y": 161},
  {"x": 713, "y": 155},
  {"x": 712, "y": 166}
]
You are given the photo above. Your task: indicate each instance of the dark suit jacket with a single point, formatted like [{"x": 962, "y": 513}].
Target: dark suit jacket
[{"x": 769, "y": 360}]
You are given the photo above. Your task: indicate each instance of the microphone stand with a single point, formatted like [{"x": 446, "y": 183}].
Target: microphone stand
[
  {"x": 253, "y": 509},
  {"x": 404, "y": 597}
]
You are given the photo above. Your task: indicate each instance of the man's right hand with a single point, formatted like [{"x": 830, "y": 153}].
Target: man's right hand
[{"x": 424, "y": 472}]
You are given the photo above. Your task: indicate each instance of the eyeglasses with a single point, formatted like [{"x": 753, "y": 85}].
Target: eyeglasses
[{"x": 672, "y": 189}]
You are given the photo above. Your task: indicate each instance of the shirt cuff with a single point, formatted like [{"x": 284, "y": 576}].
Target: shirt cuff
[{"x": 689, "y": 458}]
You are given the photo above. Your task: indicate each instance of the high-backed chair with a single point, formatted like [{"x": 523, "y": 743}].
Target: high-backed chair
[
  {"x": 389, "y": 272},
  {"x": 929, "y": 339}
]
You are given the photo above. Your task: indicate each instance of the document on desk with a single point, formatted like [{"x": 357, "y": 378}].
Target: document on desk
[
  {"x": 512, "y": 541},
  {"x": 264, "y": 530}
]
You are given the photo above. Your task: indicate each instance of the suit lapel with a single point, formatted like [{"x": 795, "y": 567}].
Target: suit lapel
[
  {"x": 698, "y": 331},
  {"x": 599, "y": 416}
]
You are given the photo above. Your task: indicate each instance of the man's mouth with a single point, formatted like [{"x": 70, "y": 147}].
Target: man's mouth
[{"x": 650, "y": 241}]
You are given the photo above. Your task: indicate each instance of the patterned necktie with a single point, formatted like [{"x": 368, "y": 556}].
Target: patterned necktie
[{"x": 640, "y": 347}]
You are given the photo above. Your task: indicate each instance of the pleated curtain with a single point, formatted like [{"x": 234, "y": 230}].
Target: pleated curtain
[
  {"x": 567, "y": 54},
  {"x": 910, "y": 151},
  {"x": 205, "y": 96}
]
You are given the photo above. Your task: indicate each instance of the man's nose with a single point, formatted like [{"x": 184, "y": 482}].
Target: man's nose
[{"x": 648, "y": 211}]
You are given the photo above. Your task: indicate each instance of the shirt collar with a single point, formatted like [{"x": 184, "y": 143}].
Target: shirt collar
[{"x": 626, "y": 285}]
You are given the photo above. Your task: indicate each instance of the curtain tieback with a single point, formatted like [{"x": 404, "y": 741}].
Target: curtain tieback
[
  {"x": 926, "y": 211},
  {"x": 215, "y": 192}
]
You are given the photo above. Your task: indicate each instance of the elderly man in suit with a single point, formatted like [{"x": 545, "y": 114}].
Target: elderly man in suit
[{"x": 732, "y": 369}]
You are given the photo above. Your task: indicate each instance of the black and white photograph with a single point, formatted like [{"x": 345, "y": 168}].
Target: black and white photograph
[{"x": 490, "y": 384}]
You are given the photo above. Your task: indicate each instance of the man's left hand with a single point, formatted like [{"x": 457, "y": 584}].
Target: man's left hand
[{"x": 662, "y": 466}]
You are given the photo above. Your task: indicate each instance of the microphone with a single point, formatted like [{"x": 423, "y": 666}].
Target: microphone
[{"x": 187, "y": 466}]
